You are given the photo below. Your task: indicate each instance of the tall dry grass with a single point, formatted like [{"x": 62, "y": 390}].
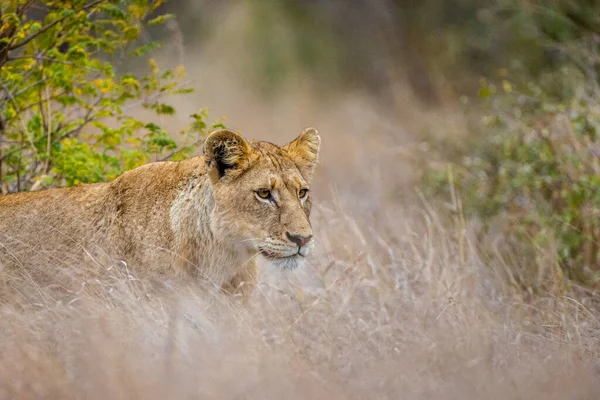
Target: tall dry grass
[{"x": 394, "y": 303}]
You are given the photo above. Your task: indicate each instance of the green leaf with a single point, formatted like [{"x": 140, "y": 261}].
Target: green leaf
[
  {"x": 145, "y": 49},
  {"x": 164, "y": 109},
  {"x": 161, "y": 19},
  {"x": 35, "y": 124}
]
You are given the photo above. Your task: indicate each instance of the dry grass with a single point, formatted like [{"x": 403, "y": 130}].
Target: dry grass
[{"x": 394, "y": 303}]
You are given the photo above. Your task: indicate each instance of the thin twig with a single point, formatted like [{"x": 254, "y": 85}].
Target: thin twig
[
  {"x": 154, "y": 96},
  {"x": 168, "y": 156},
  {"x": 50, "y": 25},
  {"x": 42, "y": 58},
  {"x": 26, "y": 88}
]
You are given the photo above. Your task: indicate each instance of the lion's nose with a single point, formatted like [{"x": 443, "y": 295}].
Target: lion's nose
[{"x": 300, "y": 240}]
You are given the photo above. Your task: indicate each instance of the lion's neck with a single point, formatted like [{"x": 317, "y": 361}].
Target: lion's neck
[{"x": 199, "y": 238}]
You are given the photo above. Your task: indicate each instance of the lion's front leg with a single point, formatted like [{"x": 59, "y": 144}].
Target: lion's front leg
[{"x": 242, "y": 284}]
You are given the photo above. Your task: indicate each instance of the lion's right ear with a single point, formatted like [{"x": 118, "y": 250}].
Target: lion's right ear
[
  {"x": 226, "y": 153},
  {"x": 304, "y": 150}
]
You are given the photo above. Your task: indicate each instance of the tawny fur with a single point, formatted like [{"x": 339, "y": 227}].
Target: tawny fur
[{"x": 196, "y": 219}]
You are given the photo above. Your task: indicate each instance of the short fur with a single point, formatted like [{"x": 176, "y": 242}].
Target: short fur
[{"x": 203, "y": 217}]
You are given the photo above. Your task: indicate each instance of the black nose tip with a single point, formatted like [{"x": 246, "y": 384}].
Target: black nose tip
[{"x": 300, "y": 240}]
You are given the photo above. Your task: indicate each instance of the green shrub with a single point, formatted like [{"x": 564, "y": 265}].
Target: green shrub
[
  {"x": 530, "y": 170},
  {"x": 534, "y": 171},
  {"x": 63, "y": 103}
]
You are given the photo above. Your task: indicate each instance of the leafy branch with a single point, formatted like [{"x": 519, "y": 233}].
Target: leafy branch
[
  {"x": 63, "y": 109},
  {"x": 52, "y": 24}
]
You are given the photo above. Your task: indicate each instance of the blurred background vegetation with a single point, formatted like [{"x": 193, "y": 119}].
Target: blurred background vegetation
[
  {"x": 439, "y": 45},
  {"x": 525, "y": 74}
]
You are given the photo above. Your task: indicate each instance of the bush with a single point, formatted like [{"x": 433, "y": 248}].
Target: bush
[
  {"x": 530, "y": 172},
  {"x": 64, "y": 104},
  {"x": 534, "y": 170}
]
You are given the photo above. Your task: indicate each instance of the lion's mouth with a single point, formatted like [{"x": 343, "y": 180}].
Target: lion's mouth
[{"x": 272, "y": 256}]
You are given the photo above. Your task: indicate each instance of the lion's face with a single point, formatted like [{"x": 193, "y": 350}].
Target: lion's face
[{"x": 262, "y": 193}]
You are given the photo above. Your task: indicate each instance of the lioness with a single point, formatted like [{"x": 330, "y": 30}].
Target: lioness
[{"x": 205, "y": 217}]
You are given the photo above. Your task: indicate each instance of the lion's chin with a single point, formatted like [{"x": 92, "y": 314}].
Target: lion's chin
[{"x": 288, "y": 262}]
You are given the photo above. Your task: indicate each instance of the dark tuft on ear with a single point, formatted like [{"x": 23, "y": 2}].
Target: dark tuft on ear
[
  {"x": 304, "y": 151},
  {"x": 226, "y": 153}
]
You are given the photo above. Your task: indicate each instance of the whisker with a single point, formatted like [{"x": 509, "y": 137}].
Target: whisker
[
  {"x": 250, "y": 259},
  {"x": 249, "y": 240}
]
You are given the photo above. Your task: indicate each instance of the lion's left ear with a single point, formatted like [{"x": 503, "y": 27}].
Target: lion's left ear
[
  {"x": 304, "y": 151},
  {"x": 226, "y": 154}
]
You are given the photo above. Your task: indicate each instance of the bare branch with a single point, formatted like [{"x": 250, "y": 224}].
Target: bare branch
[
  {"x": 26, "y": 88},
  {"x": 170, "y": 155}
]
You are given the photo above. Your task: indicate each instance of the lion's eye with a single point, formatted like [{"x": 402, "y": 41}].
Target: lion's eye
[
  {"x": 302, "y": 193},
  {"x": 263, "y": 193}
]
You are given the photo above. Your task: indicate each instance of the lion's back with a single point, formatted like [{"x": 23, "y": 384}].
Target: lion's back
[
  {"x": 53, "y": 218},
  {"x": 127, "y": 218}
]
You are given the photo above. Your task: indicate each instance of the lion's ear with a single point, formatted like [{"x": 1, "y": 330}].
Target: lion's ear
[
  {"x": 226, "y": 153},
  {"x": 304, "y": 151}
]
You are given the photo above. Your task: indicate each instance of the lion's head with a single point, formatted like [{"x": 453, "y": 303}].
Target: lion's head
[{"x": 262, "y": 195}]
